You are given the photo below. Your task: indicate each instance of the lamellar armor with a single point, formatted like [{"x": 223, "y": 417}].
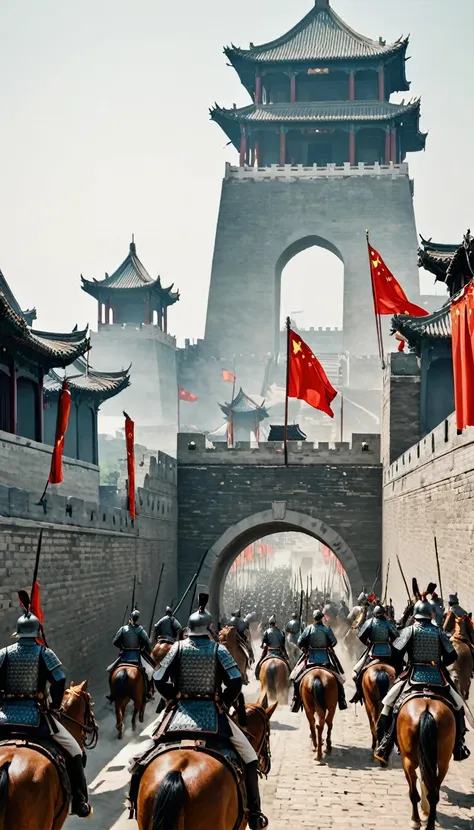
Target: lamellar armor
[
  {"x": 239, "y": 624},
  {"x": 197, "y": 666},
  {"x": 274, "y": 638},
  {"x": 428, "y": 649},
  {"x": 25, "y": 670},
  {"x": 293, "y": 628},
  {"x": 316, "y": 639},
  {"x": 131, "y": 640},
  {"x": 378, "y": 633},
  {"x": 168, "y": 627}
]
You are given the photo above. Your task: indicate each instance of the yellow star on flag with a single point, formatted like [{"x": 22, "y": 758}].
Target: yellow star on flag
[{"x": 296, "y": 347}]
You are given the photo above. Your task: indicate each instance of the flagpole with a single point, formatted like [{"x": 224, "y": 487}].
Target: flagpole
[
  {"x": 285, "y": 436},
  {"x": 378, "y": 325},
  {"x": 342, "y": 418},
  {"x": 231, "y": 420},
  {"x": 179, "y": 409}
]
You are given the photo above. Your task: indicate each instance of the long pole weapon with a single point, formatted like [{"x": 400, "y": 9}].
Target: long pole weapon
[
  {"x": 125, "y": 615},
  {"x": 404, "y": 580},
  {"x": 194, "y": 579},
  {"x": 156, "y": 598},
  {"x": 438, "y": 567},
  {"x": 133, "y": 591},
  {"x": 377, "y": 574},
  {"x": 386, "y": 584},
  {"x": 35, "y": 577},
  {"x": 286, "y": 390}
]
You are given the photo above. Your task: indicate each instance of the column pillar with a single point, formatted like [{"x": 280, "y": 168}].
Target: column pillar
[
  {"x": 107, "y": 312},
  {"x": 352, "y": 86},
  {"x": 381, "y": 83},
  {"x": 258, "y": 88},
  {"x": 282, "y": 146},
  {"x": 393, "y": 143},
  {"x": 99, "y": 313},
  {"x": 352, "y": 147},
  {"x": 387, "y": 146},
  {"x": 160, "y": 318},
  {"x": 165, "y": 319},
  {"x": 13, "y": 399},
  {"x": 257, "y": 152},
  {"x": 292, "y": 89},
  {"x": 243, "y": 147},
  {"x": 148, "y": 318},
  {"x": 40, "y": 412}
]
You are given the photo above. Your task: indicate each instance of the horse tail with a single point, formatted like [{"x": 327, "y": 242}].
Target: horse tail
[
  {"x": 382, "y": 682},
  {"x": 428, "y": 740},
  {"x": 3, "y": 789},
  {"x": 318, "y": 693},
  {"x": 120, "y": 684},
  {"x": 270, "y": 676},
  {"x": 169, "y": 801}
]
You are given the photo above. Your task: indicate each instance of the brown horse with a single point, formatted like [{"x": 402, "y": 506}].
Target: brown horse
[
  {"x": 426, "y": 732},
  {"x": 464, "y": 665},
  {"x": 127, "y": 683},
  {"x": 160, "y": 650},
  {"x": 31, "y": 794},
  {"x": 351, "y": 641},
  {"x": 319, "y": 695},
  {"x": 188, "y": 790},
  {"x": 228, "y": 638},
  {"x": 274, "y": 681},
  {"x": 376, "y": 681}
]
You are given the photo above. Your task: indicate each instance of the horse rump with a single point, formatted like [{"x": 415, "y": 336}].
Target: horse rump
[
  {"x": 428, "y": 741},
  {"x": 169, "y": 801},
  {"x": 318, "y": 693},
  {"x": 382, "y": 681},
  {"x": 3, "y": 788},
  {"x": 121, "y": 684},
  {"x": 270, "y": 677}
]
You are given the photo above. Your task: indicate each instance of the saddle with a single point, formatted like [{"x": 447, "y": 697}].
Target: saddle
[
  {"x": 50, "y": 750},
  {"x": 414, "y": 693},
  {"x": 162, "y": 639},
  {"x": 214, "y": 746}
]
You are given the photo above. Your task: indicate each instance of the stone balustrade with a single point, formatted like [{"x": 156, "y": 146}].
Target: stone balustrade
[{"x": 291, "y": 172}]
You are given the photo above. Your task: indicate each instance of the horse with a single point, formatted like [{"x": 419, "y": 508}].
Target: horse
[
  {"x": 188, "y": 790},
  {"x": 426, "y": 732},
  {"x": 319, "y": 695},
  {"x": 31, "y": 794},
  {"x": 463, "y": 667},
  {"x": 274, "y": 680},
  {"x": 351, "y": 641},
  {"x": 376, "y": 681},
  {"x": 228, "y": 637},
  {"x": 128, "y": 683},
  {"x": 160, "y": 650},
  {"x": 294, "y": 653}
]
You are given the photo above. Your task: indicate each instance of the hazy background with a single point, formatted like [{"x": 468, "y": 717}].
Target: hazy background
[{"x": 105, "y": 131}]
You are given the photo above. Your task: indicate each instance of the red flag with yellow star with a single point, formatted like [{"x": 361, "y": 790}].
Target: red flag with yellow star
[
  {"x": 389, "y": 296},
  {"x": 307, "y": 379}
]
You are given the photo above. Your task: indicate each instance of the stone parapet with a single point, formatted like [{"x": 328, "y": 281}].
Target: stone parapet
[{"x": 299, "y": 171}]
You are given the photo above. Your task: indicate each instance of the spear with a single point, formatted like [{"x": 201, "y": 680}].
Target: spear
[
  {"x": 386, "y": 584},
  {"x": 125, "y": 615},
  {"x": 156, "y": 598},
  {"x": 404, "y": 580},
  {"x": 377, "y": 572},
  {"x": 438, "y": 567},
  {"x": 133, "y": 592},
  {"x": 194, "y": 579}
]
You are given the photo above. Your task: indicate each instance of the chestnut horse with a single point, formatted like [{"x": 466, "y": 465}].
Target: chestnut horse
[
  {"x": 160, "y": 650},
  {"x": 274, "y": 680},
  {"x": 127, "y": 683},
  {"x": 351, "y": 641},
  {"x": 426, "y": 732},
  {"x": 376, "y": 681},
  {"x": 319, "y": 695},
  {"x": 464, "y": 665},
  {"x": 228, "y": 638},
  {"x": 31, "y": 794},
  {"x": 188, "y": 790}
]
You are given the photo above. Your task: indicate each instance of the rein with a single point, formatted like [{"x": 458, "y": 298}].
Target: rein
[
  {"x": 263, "y": 747},
  {"x": 89, "y": 726}
]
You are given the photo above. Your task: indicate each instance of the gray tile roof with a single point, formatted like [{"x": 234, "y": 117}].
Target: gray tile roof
[
  {"x": 242, "y": 404},
  {"x": 321, "y": 35},
  {"x": 28, "y": 315},
  {"x": 436, "y": 326},
  {"x": 131, "y": 274},
  {"x": 100, "y": 385},
  {"x": 317, "y": 111}
]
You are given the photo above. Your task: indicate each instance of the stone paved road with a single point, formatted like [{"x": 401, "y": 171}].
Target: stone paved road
[{"x": 350, "y": 791}]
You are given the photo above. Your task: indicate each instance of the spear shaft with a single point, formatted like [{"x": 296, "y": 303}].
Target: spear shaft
[{"x": 403, "y": 577}]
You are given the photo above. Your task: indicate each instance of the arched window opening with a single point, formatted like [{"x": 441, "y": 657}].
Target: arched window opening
[{"x": 312, "y": 287}]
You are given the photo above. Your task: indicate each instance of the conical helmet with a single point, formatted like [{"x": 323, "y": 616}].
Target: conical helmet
[
  {"x": 28, "y": 627},
  {"x": 422, "y": 610},
  {"x": 201, "y": 619}
]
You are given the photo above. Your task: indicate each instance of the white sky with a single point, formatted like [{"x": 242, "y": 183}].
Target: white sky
[{"x": 105, "y": 131}]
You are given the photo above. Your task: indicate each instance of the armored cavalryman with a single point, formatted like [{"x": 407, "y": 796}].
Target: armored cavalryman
[
  {"x": 457, "y": 614},
  {"x": 293, "y": 628},
  {"x": 242, "y": 626},
  {"x": 238, "y": 623},
  {"x": 168, "y": 627},
  {"x": 273, "y": 642},
  {"x": 317, "y": 642},
  {"x": 26, "y": 670},
  {"x": 377, "y": 634},
  {"x": 429, "y": 653},
  {"x": 362, "y": 602},
  {"x": 200, "y": 670},
  {"x": 135, "y": 647},
  {"x": 342, "y": 610}
]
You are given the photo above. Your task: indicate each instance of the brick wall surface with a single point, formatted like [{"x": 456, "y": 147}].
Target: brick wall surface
[
  {"x": 400, "y": 405},
  {"x": 430, "y": 490},
  {"x": 26, "y": 464}
]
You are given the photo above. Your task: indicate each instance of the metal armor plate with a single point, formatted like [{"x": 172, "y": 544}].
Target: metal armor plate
[
  {"x": 274, "y": 638},
  {"x": 23, "y": 668},
  {"x": 425, "y": 645},
  {"x": 317, "y": 657},
  {"x": 194, "y": 716},
  {"x": 197, "y": 666},
  {"x": 131, "y": 636},
  {"x": 293, "y": 627},
  {"x": 167, "y": 660},
  {"x": 20, "y": 713},
  {"x": 318, "y": 637},
  {"x": 401, "y": 643},
  {"x": 380, "y": 650},
  {"x": 379, "y": 631},
  {"x": 427, "y": 676},
  {"x": 228, "y": 663},
  {"x": 51, "y": 660}
]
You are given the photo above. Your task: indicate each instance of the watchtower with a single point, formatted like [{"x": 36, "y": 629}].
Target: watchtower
[{"x": 321, "y": 158}]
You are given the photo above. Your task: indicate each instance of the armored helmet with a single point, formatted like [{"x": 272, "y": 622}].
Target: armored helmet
[
  {"x": 422, "y": 610},
  {"x": 169, "y": 610},
  {"x": 294, "y": 615},
  {"x": 236, "y": 614},
  {"x": 251, "y": 617},
  {"x": 379, "y": 611},
  {"x": 272, "y": 620},
  {"x": 135, "y": 615},
  {"x": 362, "y": 597},
  {"x": 317, "y": 614},
  {"x": 28, "y": 627},
  {"x": 453, "y": 599},
  {"x": 201, "y": 619}
]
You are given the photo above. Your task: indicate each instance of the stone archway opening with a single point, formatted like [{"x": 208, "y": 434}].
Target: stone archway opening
[{"x": 236, "y": 538}]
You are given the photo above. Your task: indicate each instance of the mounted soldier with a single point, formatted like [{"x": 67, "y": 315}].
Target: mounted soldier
[
  {"x": 429, "y": 653},
  {"x": 362, "y": 604},
  {"x": 343, "y": 610},
  {"x": 317, "y": 642},
  {"x": 377, "y": 634},
  {"x": 293, "y": 628},
  {"x": 26, "y": 670},
  {"x": 330, "y": 612},
  {"x": 273, "y": 645},
  {"x": 167, "y": 629},
  {"x": 200, "y": 680},
  {"x": 457, "y": 614},
  {"x": 437, "y": 609},
  {"x": 242, "y": 626},
  {"x": 135, "y": 648}
]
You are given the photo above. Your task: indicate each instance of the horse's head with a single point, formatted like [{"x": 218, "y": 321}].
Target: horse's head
[
  {"x": 77, "y": 713},
  {"x": 258, "y": 730},
  {"x": 228, "y": 634}
]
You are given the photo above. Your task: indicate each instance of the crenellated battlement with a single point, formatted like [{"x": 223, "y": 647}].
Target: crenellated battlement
[
  {"x": 194, "y": 449},
  {"x": 293, "y": 172}
]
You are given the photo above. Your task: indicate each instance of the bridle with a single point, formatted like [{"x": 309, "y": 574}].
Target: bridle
[
  {"x": 263, "y": 747},
  {"x": 89, "y": 728}
]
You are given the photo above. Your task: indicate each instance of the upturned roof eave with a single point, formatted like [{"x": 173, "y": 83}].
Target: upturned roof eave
[
  {"x": 98, "y": 290},
  {"x": 241, "y": 57},
  {"x": 242, "y": 115}
]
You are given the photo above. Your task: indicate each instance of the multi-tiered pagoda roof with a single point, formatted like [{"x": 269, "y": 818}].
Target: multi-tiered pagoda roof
[
  {"x": 243, "y": 406},
  {"x": 88, "y": 382},
  {"x": 436, "y": 257}
]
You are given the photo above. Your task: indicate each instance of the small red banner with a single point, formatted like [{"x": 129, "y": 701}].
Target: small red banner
[
  {"x": 130, "y": 443},
  {"x": 64, "y": 408}
]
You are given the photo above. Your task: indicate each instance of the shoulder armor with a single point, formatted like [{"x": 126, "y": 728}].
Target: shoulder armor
[
  {"x": 447, "y": 644},
  {"x": 3, "y": 652},
  {"x": 404, "y": 638},
  {"x": 365, "y": 626},
  {"x": 51, "y": 660},
  {"x": 167, "y": 660},
  {"x": 227, "y": 662}
]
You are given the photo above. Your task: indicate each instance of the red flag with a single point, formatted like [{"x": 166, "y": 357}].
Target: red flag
[
  {"x": 36, "y": 609},
  {"x": 389, "y": 296},
  {"x": 64, "y": 407},
  {"x": 228, "y": 377},
  {"x": 130, "y": 443},
  {"x": 307, "y": 379},
  {"x": 462, "y": 326},
  {"x": 184, "y": 395}
]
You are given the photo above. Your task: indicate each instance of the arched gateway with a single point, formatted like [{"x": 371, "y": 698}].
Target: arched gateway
[{"x": 227, "y": 547}]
